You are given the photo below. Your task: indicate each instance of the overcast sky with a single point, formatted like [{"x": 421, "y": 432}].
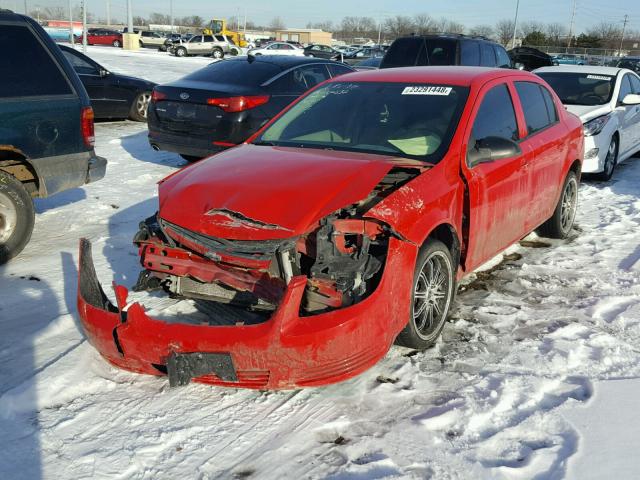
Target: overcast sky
[{"x": 296, "y": 13}]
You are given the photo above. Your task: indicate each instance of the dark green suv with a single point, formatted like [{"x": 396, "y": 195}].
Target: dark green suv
[{"x": 46, "y": 128}]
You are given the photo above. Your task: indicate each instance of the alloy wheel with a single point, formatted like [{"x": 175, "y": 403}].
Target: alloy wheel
[
  {"x": 8, "y": 218},
  {"x": 569, "y": 205},
  {"x": 432, "y": 294},
  {"x": 142, "y": 104},
  {"x": 610, "y": 159}
]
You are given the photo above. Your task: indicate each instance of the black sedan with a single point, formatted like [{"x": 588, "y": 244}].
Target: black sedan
[
  {"x": 322, "y": 51},
  {"x": 363, "y": 54},
  {"x": 224, "y": 103},
  {"x": 112, "y": 95}
]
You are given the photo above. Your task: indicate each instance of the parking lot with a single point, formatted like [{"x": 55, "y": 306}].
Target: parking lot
[{"x": 496, "y": 397}]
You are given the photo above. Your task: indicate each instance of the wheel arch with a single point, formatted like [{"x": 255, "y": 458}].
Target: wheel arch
[
  {"x": 15, "y": 163},
  {"x": 447, "y": 234}
]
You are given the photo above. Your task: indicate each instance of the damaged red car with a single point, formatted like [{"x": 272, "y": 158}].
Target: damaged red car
[{"x": 341, "y": 227}]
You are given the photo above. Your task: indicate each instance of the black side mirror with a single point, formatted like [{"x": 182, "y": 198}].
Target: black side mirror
[{"x": 490, "y": 149}]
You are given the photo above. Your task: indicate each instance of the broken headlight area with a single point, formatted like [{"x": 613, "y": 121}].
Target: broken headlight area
[{"x": 342, "y": 257}]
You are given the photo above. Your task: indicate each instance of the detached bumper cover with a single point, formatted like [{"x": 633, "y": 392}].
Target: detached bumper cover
[{"x": 286, "y": 351}]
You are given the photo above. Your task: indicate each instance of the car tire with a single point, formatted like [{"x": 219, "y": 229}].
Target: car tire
[
  {"x": 191, "y": 158},
  {"x": 610, "y": 161},
  {"x": 140, "y": 107},
  {"x": 561, "y": 222},
  {"x": 116, "y": 43},
  {"x": 162, "y": 48},
  {"x": 181, "y": 52},
  {"x": 17, "y": 217},
  {"x": 217, "y": 53},
  {"x": 234, "y": 52},
  {"x": 433, "y": 293}
]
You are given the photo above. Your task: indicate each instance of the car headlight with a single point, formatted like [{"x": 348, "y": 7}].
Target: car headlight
[{"x": 595, "y": 126}]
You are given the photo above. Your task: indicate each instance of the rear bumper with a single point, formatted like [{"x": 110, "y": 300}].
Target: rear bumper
[
  {"x": 60, "y": 173},
  {"x": 182, "y": 144},
  {"x": 286, "y": 351}
]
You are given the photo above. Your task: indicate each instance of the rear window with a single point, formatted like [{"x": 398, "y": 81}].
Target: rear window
[
  {"x": 575, "y": 88},
  {"x": 412, "y": 51},
  {"x": 239, "y": 72},
  {"x": 29, "y": 62}
]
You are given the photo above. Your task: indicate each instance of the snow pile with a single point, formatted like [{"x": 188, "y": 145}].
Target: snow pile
[{"x": 520, "y": 386}]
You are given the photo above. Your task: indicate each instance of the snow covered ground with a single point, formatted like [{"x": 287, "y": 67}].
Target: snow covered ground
[{"x": 537, "y": 374}]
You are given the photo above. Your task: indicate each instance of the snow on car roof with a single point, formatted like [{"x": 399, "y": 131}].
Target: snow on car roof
[{"x": 613, "y": 71}]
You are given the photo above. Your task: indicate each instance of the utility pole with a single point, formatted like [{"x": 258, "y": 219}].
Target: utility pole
[
  {"x": 171, "y": 13},
  {"x": 71, "y": 38},
  {"x": 573, "y": 17},
  {"x": 624, "y": 27},
  {"x": 129, "y": 17},
  {"x": 109, "y": 12},
  {"x": 515, "y": 24},
  {"x": 26, "y": 10},
  {"x": 379, "y": 31},
  {"x": 84, "y": 26}
]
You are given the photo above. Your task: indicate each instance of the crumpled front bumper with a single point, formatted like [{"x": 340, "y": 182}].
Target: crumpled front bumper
[{"x": 286, "y": 351}]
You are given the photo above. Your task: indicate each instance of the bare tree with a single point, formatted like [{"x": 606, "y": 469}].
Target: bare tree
[
  {"x": 608, "y": 32},
  {"x": 504, "y": 31},
  {"x": 276, "y": 23},
  {"x": 527, "y": 28},
  {"x": 398, "y": 26},
  {"x": 482, "y": 31},
  {"x": 159, "y": 19},
  {"x": 139, "y": 21},
  {"x": 327, "y": 25},
  {"x": 423, "y": 23},
  {"x": 49, "y": 13},
  {"x": 555, "y": 32},
  {"x": 449, "y": 26}
]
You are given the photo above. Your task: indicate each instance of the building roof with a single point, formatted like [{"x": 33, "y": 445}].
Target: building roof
[{"x": 305, "y": 30}]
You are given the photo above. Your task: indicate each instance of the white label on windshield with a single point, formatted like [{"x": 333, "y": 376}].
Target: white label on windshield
[
  {"x": 598, "y": 77},
  {"x": 426, "y": 90}
]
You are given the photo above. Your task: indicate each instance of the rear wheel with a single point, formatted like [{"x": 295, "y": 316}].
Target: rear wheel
[
  {"x": 140, "y": 107},
  {"x": 17, "y": 217},
  {"x": 217, "y": 53},
  {"x": 610, "y": 161},
  {"x": 561, "y": 222},
  {"x": 191, "y": 158},
  {"x": 181, "y": 52},
  {"x": 433, "y": 293},
  {"x": 116, "y": 43}
]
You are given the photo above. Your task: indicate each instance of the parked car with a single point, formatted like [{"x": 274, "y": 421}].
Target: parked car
[
  {"x": 112, "y": 95},
  {"x": 151, "y": 39},
  {"x": 362, "y": 54},
  {"x": 445, "y": 49},
  {"x": 322, "y": 51},
  {"x": 567, "y": 59},
  {"x": 46, "y": 128},
  {"x": 223, "y": 104},
  {"x": 103, "y": 36},
  {"x": 527, "y": 58},
  {"x": 277, "y": 48},
  {"x": 368, "y": 64},
  {"x": 607, "y": 100},
  {"x": 342, "y": 226},
  {"x": 631, "y": 63},
  {"x": 173, "y": 38},
  {"x": 214, "y": 45}
]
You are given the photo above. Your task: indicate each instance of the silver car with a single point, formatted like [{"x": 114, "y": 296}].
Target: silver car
[{"x": 215, "y": 45}]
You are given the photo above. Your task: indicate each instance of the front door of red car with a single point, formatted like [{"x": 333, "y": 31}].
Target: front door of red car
[
  {"x": 545, "y": 138},
  {"x": 498, "y": 193}
]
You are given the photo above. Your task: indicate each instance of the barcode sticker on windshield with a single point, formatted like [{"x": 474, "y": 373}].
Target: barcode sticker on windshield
[
  {"x": 598, "y": 77},
  {"x": 418, "y": 90}
]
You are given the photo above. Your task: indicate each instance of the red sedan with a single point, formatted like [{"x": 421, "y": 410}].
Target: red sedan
[{"x": 341, "y": 227}]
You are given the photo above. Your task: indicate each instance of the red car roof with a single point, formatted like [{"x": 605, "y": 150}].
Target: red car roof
[{"x": 449, "y": 75}]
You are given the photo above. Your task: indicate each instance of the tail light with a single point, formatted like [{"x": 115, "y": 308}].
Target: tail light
[
  {"x": 86, "y": 126},
  {"x": 156, "y": 96},
  {"x": 238, "y": 104}
]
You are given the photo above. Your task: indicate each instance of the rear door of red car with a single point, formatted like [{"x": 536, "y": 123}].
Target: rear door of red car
[
  {"x": 498, "y": 193},
  {"x": 545, "y": 137}
]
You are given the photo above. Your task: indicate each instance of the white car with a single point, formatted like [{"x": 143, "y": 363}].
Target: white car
[
  {"x": 278, "y": 48},
  {"x": 607, "y": 100}
]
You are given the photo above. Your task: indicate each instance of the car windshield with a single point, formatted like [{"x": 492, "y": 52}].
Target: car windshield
[
  {"x": 397, "y": 119},
  {"x": 581, "y": 88}
]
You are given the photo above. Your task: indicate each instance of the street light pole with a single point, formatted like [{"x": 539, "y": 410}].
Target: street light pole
[
  {"x": 71, "y": 38},
  {"x": 624, "y": 27},
  {"x": 26, "y": 10},
  {"x": 515, "y": 25},
  {"x": 171, "y": 13},
  {"x": 109, "y": 12},
  {"x": 84, "y": 26},
  {"x": 129, "y": 17}
]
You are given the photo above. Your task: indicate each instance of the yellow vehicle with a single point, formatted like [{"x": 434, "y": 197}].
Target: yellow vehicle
[{"x": 219, "y": 27}]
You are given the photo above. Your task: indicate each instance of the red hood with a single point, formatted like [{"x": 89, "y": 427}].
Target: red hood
[{"x": 259, "y": 192}]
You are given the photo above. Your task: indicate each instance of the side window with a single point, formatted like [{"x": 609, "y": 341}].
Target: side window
[
  {"x": 196, "y": 39},
  {"x": 488, "y": 55},
  {"x": 625, "y": 88},
  {"x": 208, "y": 38},
  {"x": 551, "y": 106},
  {"x": 273, "y": 46},
  {"x": 79, "y": 64},
  {"x": 503, "y": 59},
  {"x": 533, "y": 105},
  {"x": 312, "y": 75},
  {"x": 635, "y": 84},
  {"x": 496, "y": 117},
  {"x": 470, "y": 53},
  {"x": 286, "y": 46},
  {"x": 290, "y": 84},
  {"x": 220, "y": 38},
  {"x": 336, "y": 70},
  {"x": 30, "y": 63}
]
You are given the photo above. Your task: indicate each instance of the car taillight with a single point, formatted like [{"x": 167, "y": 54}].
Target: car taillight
[
  {"x": 238, "y": 104},
  {"x": 157, "y": 96},
  {"x": 86, "y": 126}
]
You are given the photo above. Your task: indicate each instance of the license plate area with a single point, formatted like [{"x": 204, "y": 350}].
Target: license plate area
[{"x": 182, "y": 367}]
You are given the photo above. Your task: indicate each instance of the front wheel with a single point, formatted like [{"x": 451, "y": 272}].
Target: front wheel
[
  {"x": 17, "y": 217},
  {"x": 181, "y": 52},
  {"x": 610, "y": 161},
  {"x": 116, "y": 43},
  {"x": 217, "y": 53},
  {"x": 561, "y": 222},
  {"x": 434, "y": 287},
  {"x": 191, "y": 158},
  {"x": 140, "y": 107}
]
